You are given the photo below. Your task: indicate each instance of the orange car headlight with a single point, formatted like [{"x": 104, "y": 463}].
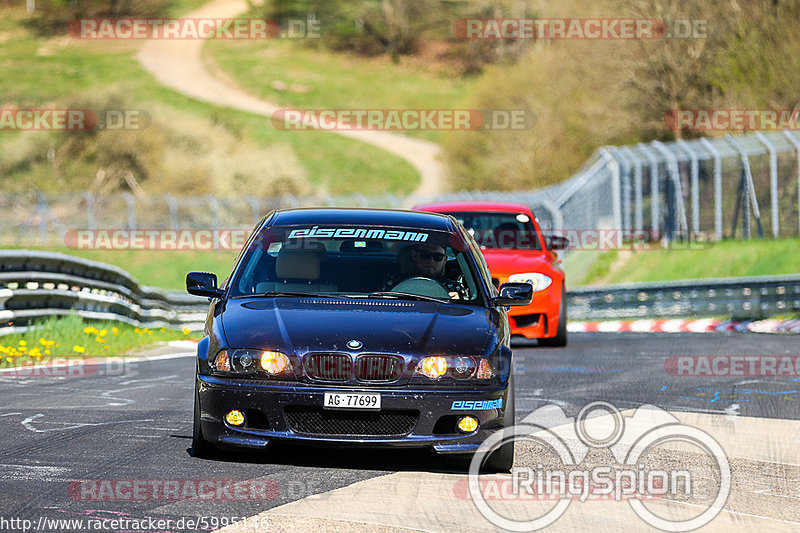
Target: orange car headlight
[
  {"x": 432, "y": 367},
  {"x": 274, "y": 363}
]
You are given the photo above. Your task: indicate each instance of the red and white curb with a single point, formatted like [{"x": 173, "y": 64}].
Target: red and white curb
[{"x": 700, "y": 325}]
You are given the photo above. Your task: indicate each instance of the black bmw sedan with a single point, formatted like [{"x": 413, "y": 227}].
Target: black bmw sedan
[{"x": 356, "y": 327}]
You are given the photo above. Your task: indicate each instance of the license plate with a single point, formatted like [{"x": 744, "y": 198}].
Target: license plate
[{"x": 345, "y": 400}]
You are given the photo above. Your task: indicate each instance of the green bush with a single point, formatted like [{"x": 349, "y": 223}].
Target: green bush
[
  {"x": 175, "y": 153},
  {"x": 52, "y": 16}
]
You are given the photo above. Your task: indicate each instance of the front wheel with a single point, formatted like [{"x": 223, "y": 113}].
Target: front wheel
[
  {"x": 502, "y": 459},
  {"x": 200, "y": 446}
]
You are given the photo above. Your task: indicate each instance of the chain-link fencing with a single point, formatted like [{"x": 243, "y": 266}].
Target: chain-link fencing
[{"x": 703, "y": 189}]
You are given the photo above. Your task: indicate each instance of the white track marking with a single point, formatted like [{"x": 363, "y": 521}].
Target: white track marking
[{"x": 28, "y": 423}]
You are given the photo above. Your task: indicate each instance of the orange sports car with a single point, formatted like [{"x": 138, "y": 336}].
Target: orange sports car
[{"x": 516, "y": 251}]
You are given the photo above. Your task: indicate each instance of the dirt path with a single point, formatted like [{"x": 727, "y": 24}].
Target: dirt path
[{"x": 178, "y": 64}]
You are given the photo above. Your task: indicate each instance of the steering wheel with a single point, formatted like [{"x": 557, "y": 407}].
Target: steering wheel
[{"x": 423, "y": 287}]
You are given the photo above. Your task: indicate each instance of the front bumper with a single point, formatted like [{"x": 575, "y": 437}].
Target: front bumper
[
  {"x": 266, "y": 404},
  {"x": 540, "y": 318}
]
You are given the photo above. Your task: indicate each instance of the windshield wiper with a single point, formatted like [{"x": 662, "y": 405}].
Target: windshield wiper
[
  {"x": 406, "y": 296},
  {"x": 275, "y": 294}
]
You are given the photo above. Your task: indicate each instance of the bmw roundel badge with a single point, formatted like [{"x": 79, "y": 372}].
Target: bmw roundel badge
[{"x": 354, "y": 344}]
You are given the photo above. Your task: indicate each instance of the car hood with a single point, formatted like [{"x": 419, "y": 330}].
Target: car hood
[
  {"x": 301, "y": 325},
  {"x": 503, "y": 263}
]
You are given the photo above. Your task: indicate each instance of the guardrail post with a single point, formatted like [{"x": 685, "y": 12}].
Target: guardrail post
[
  {"x": 773, "y": 182},
  {"x": 613, "y": 166},
  {"x": 717, "y": 185},
  {"x": 792, "y": 139},
  {"x": 626, "y": 188},
  {"x": 637, "y": 187},
  {"x": 749, "y": 189},
  {"x": 695, "y": 179},
  {"x": 674, "y": 172},
  {"x": 655, "y": 214}
]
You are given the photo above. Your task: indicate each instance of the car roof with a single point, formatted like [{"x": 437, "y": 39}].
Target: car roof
[
  {"x": 310, "y": 216},
  {"x": 452, "y": 207}
]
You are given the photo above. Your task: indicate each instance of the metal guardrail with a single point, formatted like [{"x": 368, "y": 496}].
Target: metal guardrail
[
  {"x": 38, "y": 284},
  {"x": 740, "y": 298}
]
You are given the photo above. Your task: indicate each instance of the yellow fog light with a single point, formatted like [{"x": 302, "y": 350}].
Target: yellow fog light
[
  {"x": 433, "y": 367},
  {"x": 235, "y": 418},
  {"x": 467, "y": 424},
  {"x": 274, "y": 362}
]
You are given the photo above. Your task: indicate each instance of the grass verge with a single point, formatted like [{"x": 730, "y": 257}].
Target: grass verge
[
  {"x": 714, "y": 260},
  {"x": 293, "y": 75},
  {"x": 39, "y": 72},
  {"x": 71, "y": 337}
]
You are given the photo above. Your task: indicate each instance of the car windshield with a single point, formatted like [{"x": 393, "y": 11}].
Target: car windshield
[
  {"x": 374, "y": 262},
  {"x": 512, "y": 231}
]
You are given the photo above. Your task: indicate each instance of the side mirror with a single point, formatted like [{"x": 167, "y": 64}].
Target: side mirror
[
  {"x": 556, "y": 242},
  {"x": 203, "y": 284},
  {"x": 514, "y": 294}
]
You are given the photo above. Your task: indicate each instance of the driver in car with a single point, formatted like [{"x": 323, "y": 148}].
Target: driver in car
[{"x": 428, "y": 261}]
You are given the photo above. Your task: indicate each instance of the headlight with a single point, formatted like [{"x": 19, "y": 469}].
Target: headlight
[
  {"x": 432, "y": 367},
  {"x": 275, "y": 363},
  {"x": 222, "y": 363},
  {"x": 252, "y": 362},
  {"x": 460, "y": 367},
  {"x": 539, "y": 281}
]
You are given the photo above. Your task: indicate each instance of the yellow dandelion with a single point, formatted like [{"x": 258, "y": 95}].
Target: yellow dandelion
[
  {"x": 105, "y": 347},
  {"x": 42, "y": 341},
  {"x": 47, "y": 352},
  {"x": 115, "y": 331},
  {"x": 78, "y": 349},
  {"x": 100, "y": 339},
  {"x": 149, "y": 332},
  {"x": 136, "y": 330},
  {"x": 23, "y": 343},
  {"x": 186, "y": 331},
  {"x": 103, "y": 332}
]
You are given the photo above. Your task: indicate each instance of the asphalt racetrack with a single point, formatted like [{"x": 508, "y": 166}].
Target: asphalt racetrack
[{"x": 63, "y": 437}]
